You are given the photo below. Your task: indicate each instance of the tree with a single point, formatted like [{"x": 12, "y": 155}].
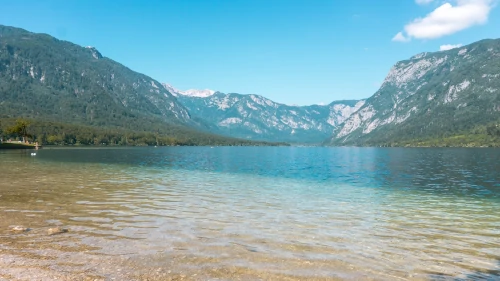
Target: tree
[{"x": 20, "y": 129}]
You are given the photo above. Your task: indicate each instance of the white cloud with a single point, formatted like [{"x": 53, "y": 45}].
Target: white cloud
[
  {"x": 400, "y": 38},
  {"x": 423, "y": 2},
  {"x": 447, "y": 19},
  {"x": 449, "y": 47}
]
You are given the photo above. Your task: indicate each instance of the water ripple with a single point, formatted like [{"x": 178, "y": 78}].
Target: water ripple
[{"x": 265, "y": 213}]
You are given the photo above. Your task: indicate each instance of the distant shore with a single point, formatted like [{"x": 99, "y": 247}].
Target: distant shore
[{"x": 13, "y": 145}]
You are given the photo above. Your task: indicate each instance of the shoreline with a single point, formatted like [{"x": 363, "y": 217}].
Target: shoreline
[{"x": 11, "y": 145}]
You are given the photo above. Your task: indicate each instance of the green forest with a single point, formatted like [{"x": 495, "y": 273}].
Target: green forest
[
  {"x": 53, "y": 133},
  {"x": 481, "y": 136}
]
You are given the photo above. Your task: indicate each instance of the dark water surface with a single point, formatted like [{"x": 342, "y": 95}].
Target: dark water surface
[{"x": 251, "y": 213}]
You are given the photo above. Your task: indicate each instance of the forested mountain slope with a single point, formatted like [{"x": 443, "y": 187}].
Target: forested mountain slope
[
  {"x": 74, "y": 95},
  {"x": 42, "y": 77}
]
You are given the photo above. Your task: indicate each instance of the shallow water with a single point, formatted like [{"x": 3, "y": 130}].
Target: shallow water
[{"x": 248, "y": 213}]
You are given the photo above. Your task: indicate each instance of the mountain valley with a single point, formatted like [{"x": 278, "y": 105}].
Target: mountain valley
[
  {"x": 446, "y": 98},
  {"x": 256, "y": 117},
  {"x": 57, "y": 83}
]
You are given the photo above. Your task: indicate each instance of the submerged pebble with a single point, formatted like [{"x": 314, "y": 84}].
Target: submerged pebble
[
  {"x": 19, "y": 228},
  {"x": 56, "y": 230}
]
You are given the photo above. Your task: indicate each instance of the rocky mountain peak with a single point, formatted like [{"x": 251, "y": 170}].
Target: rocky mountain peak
[
  {"x": 95, "y": 53},
  {"x": 198, "y": 93},
  {"x": 190, "y": 93}
]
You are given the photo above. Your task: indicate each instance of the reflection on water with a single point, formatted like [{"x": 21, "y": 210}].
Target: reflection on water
[{"x": 251, "y": 213}]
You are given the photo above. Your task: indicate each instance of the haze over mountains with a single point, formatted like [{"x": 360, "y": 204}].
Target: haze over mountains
[{"x": 431, "y": 95}]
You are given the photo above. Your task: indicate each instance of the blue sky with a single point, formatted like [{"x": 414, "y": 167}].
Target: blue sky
[{"x": 291, "y": 51}]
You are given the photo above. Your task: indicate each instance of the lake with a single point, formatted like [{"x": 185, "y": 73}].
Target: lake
[{"x": 251, "y": 213}]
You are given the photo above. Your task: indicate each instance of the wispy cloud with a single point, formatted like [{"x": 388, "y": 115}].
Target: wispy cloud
[
  {"x": 447, "y": 19},
  {"x": 449, "y": 47},
  {"x": 423, "y": 2},
  {"x": 400, "y": 38}
]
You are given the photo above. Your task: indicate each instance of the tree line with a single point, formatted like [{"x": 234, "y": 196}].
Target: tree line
[
  {"x": 480, "y": 136},
  {"x": 53, "y": 133}
]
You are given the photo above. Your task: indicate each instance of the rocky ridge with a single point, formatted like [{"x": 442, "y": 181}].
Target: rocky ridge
[
  {"x": 256, "y": 117},
  {"x": 429, "y": 95}
]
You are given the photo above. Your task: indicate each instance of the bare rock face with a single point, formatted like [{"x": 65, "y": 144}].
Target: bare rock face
[
  {"x": 429, "y": 95},
  {"x": 95, "y": 53},
  {"x": 258, "y": 118}
]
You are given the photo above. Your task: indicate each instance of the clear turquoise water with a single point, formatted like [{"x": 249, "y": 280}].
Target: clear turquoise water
[{"x": 281, "y": 213}]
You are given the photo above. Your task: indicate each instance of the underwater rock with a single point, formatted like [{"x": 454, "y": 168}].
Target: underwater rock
[
  {"x": 56, "y": 230},
  {"x": 19, "y": 228}
]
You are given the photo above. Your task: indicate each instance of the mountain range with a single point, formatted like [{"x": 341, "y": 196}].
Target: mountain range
[
  {"x": 49, "y": 80},
  {"x": 256, "y": 117},
  {"x": 447, "y": 97}
]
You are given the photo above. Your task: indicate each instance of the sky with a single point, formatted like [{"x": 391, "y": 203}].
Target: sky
[{"x": 291, "y": 51}]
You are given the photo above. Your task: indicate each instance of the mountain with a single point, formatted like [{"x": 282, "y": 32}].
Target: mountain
[
  {"x": 190, "y": 93},
  {"x": 442, "y": 95},
  {"x": 42, "y": 77},
  {"x": 75, "y": 95},
  {"x": 257, "y": 118}
]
